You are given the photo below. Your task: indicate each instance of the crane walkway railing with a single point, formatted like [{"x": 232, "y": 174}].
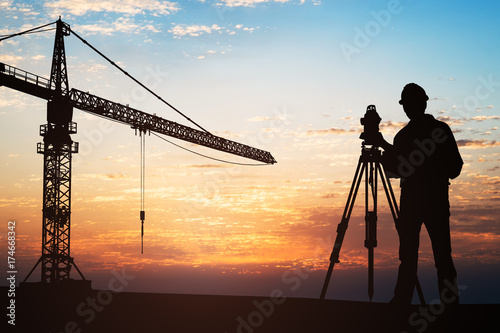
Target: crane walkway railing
[{"x": 25, "y": 76}]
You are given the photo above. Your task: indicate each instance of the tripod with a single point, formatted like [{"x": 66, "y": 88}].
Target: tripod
[{"x": 370, "y": 164}]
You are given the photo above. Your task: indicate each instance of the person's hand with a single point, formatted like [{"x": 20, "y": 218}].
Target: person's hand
[{"x": 379, "y": 141}]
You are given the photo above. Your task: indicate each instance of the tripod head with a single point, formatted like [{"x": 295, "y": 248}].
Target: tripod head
[{"x": 370, "y": 123}]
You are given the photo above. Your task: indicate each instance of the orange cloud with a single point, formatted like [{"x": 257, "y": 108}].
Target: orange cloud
[
  {"x": 477, "y": 144},
  {"x": 330, "y": 131}
]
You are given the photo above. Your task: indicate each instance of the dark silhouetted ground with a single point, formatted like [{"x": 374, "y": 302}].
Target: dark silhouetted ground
[{"x": 106, "y": 311}]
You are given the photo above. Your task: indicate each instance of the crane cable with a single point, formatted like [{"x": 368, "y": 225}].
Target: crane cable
[
  {"x": 138, "y": 82},
  {"x": 206, "y": 156},
  {"x": 4, "y": 37},
  {"x": 142, "y": 214},
  {"x": 184, "y": 148}
]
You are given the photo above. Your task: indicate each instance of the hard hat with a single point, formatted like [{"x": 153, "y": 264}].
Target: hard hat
[{"x": 413, "y": 92}]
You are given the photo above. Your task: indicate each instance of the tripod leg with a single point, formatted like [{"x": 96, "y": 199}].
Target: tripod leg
[
  {"x": 371, "y": 226},
  {"x": 342, "y": 227},
  {"x": 391, "y": 198},
  {"x": 370, "y": 244},
  {"x": 370, "y": 273}
]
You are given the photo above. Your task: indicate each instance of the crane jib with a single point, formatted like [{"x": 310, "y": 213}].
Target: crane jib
[
  {"x": 145, "y": 121},
  {"x": 38, "y": 86}
]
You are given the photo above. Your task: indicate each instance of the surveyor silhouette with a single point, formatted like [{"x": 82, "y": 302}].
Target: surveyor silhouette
[{"x": 425, "y": 156}]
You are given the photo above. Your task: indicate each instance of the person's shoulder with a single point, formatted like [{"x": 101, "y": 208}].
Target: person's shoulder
[
  {"x": 405, "y": 131},
  {"x": 440, "y": 123}
]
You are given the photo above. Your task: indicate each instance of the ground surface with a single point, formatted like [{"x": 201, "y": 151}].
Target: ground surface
[{"x": 106, "y": 311}]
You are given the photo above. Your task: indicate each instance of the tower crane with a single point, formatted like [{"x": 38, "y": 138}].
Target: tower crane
[{"x": 57, "y": 146}]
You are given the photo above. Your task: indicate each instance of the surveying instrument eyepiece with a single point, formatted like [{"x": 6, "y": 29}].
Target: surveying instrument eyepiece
[{"x": 369, "y": 165}]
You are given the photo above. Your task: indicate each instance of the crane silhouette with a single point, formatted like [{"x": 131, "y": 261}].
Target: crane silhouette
[{"x": 57, "y": 146}]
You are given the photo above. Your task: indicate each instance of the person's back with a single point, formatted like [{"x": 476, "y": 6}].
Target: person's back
[{"x": 424, "y": 155}]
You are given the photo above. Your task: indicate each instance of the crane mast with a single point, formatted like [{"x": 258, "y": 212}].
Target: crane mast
[{"x": 57, "y": 148}]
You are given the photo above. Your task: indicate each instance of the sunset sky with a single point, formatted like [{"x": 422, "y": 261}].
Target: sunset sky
[{"x": 292, "y": 77}]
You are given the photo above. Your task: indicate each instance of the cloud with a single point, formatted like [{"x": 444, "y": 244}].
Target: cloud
[
  {"x": 487, "y": 180},
  {"x": 477, "y": 221},
  {"x": 227, "y": 134},
  {"x": 131, "y": 7},
  {"x": 116, "y": 176},
  {"x": 330, "y": 131},
  {"x": 253, "y": 3},
  {"x": 260, "y": 118},
  {"x": 329, "y": 195},
  {"x": 11, "y": 59},
  {"x": 6, "y": 4},
  {"x": 392, "y": 124},
  {"x": 246, "y": 3},
  {"x": 122, "y": 24},
  {"x": 482, "y": 118},
  {"x": 460, "y": 121},
  {"x": 38, "y": 57},
  {"x": 451, "y": 121},
  {"x": 106, "y": 176},
  {"x": 11, "y": 9},
  {"x": 477, "y": 144},
  {"x": 107, "y": 198},
  {"x": 193, "y": 30},
  {"x": 204, "y": 166},
  {"x": 264, "y": 118}
]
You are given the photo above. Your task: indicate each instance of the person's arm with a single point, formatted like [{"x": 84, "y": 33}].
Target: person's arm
[
  {"x": 384, "y": 144},
  {"x": 455, "y": 162},
  {"x": 389, "y": 158}
]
